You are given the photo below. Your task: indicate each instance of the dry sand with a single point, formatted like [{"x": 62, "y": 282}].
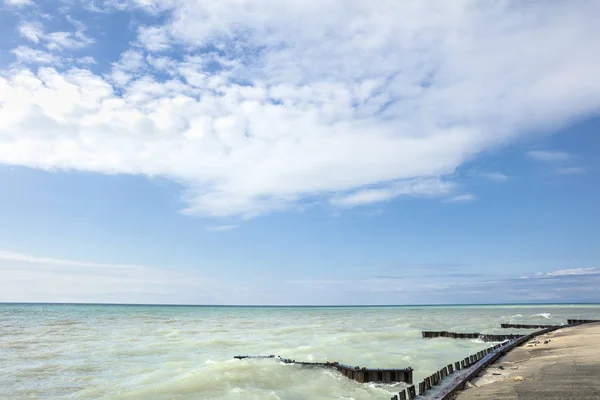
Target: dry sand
[{"x": 563, "y": 364}]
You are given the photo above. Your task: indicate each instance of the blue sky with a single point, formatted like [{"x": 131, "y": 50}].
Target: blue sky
[{"x": 318, "y": 153}]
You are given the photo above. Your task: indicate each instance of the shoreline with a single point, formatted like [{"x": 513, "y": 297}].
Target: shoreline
[{"x": 561, "y": 364}]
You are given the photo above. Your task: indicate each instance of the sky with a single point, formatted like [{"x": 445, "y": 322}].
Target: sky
[{"x": 332, "y": 152}]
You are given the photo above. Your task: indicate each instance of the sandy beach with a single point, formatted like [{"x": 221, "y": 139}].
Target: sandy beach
[{"x": 558, "y": 365}]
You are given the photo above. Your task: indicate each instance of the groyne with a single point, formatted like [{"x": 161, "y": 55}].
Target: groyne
[
  {"x": 581, "y": 321},
  {"x": 463, "y": 370},
  {"x": 481, "y": 336},
  {"x": 357, "y": 373},
  {"x": 468, "y": 367},
  {"x": 521, "y": 326}
]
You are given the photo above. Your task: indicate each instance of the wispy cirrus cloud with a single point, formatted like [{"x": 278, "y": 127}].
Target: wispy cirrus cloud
[
  {"x": 462, "y": 198},
  {"x": 495, "y": 176},
  {"x": 571, "y": 171},
  {"x": 417, "y": 188},
  {"x": 568, "y": 272},
  {"x": 221, "y": 228},
  {"x": 549, "y": 155}
]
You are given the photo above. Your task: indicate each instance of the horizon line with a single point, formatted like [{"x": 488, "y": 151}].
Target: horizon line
[{"x": 291, "y": 305}]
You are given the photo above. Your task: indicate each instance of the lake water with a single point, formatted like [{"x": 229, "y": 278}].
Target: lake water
[{"x": 166, "y": 352}]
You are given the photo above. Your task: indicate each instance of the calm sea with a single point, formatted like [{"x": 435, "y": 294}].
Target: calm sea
[{"x": 165, "y": 352}]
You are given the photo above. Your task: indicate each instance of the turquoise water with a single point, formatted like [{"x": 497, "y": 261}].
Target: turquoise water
[{"x": 166, "y": 352}]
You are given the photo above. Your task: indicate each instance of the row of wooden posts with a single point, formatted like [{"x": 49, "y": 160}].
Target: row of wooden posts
[
  {"x": 363, "y": 374},
  {"x": 581, "y": 321},
  {"x": 520, "y": 326},
  {"x": 490, "y": 354},
  {"x": 357, "y": 373},
  {"x": 569, "y": 322},
  {"x": 436, "y": 378},
  {"x": 482, "y": 336}
]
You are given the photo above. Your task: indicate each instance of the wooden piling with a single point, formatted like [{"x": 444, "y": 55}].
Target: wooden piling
[
  {"x": 522, "y": 326},
  {"x": 356, "y": 373},
  {"x": 582, "y": 321},
  {"x": 482, "y": 336}
]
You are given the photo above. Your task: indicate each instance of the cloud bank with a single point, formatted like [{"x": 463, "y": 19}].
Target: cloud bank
[
  {"x": 29, "y": 278},
  {"x": 261, "y": 106}
]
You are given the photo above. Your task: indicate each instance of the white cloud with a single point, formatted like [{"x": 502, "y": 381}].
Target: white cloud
[
  {"x": 32, "y": 56},
  {"x": 130, "y": 65},
  {"x": 495, "y": 176},
  {"x": 88, "y": 60},
  {"x": 569, "y": 272},
  {"x": 18, "y": 3},
  {"x": 12, "y": 256},
  {"x": 462, "y": 198},
  {"x": 571, "y": 170},
  {"x": 220, "y": 228},
  {"x": 67, "y": 40},
  {"x": 303, "y": 99},
  {"x": 31, "y": 31},
  {"x": 25, "y": 277},
  {"x": 150, "y": 6},
  {"x": 549, "y": 156},
  {"x": 34, "y": 32},
  {"x": 153, "y": 39},
  {"x": 417, "y": 187}
]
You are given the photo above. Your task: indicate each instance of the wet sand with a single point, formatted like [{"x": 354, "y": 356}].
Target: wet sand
[{"x": 564, "y": 364}]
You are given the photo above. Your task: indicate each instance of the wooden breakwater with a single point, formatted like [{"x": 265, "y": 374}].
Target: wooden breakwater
[
  {"x": 569, "y": 322},
  {"x": 364, "y": 374},
  {"x": 481, "y": 336},
  {"x": 436, "y": 378},
  {"x": 472, "y": 365},
  {"x": 521, "y": 326},
  {"x": 357, "y": 373},
  {"x": 582, "y": 321}
]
